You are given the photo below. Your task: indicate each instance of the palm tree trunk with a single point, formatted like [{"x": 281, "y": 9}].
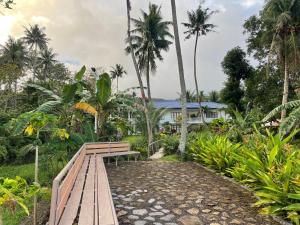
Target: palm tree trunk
[
  {"x": 117, "y": 84},
  {"x": 286, "y": 82},
  {"x": 182, "y": 81},
  {"x": 149, "y": 129},
  {"x": 36, "y": 170},
  {"x": 148, "y": 80},
  {"x": 195, "y": 78}
]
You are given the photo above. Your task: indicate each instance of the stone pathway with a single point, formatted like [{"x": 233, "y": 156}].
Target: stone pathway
[{"x": 179, "y": 194}]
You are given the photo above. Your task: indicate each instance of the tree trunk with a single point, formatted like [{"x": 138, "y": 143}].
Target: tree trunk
[
  {"x": 117, "y": 84},
  {"x": 15, "y": 97},
  {"x": 286, "y": 82},
  {"x": 149, "y": 129},
  {"x": 182, "y": 81},
  {"x": 195, "y": 78},
  {"x": 148, "y": 80},
  {"x": 36, "y": 170}
]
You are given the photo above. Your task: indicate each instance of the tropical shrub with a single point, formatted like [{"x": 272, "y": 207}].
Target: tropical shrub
[
  {"x": 170, "y": 144},
  {"x": 271, "y": 166},
  {"x": 138, "y": 143},
  {"x": 214, "y": 151}
]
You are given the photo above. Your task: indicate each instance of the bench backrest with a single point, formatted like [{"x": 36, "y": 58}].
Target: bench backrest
[
  {"x": 107, "y": 147},
  {"x": 63, "y": 184}
]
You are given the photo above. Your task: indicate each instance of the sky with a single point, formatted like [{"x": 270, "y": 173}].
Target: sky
[{"x": 92, "y": 33}]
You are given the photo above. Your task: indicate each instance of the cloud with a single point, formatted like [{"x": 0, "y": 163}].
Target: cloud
[
  {"x": 92, "y": 33},
  {"x": 251, "y": 3}
]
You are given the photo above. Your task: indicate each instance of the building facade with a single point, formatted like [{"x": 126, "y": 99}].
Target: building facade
[{"x": 211, "y": 111}]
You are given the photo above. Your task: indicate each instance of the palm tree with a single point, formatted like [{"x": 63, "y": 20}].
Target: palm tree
[
  {"x": 190, "y": 96},
  {"x": 149, "y": 39},
  {"x": 182, "y": 81},
  {"x": 14, "y": 51},
  {"x": 149, "y": 129},
  {"x": 46, "y": 60},
  {"x": 283, "y": 15},
  {"x": 198, "y": 26},
  {"x": 36, "y": 39},
  {"x": 117, "y": 72}
]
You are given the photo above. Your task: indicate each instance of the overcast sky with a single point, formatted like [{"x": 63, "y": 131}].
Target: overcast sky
[{"x": 92, "y": 33}]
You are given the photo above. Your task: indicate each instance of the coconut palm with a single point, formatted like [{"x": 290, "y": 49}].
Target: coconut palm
[
  {"x": 182, "y": 81},
  {"x": 117, "y": 72},
  {"x": 131, "y": 48},
  {"x": 213, "y": 96},
  {"x": 14, "y": 51},
  {"x": 37, "y": 40},
  {"x": 198, "y": 26},
  {"x": 284, "y": 18},
  {"x": 45, "y": 61},
  {"x": 149, "y": 38}
]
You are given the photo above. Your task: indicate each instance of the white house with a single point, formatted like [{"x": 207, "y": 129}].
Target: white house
[{"x": 212, "y": 110}]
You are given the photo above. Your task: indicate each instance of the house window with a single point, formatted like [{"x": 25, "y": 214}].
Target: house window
[
  {"x": 211, "y": 114},
  {"x": 175, "y": 115}
]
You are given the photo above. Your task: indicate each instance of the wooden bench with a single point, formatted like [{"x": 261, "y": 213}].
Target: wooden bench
[
  {"x": 81, "y": 192},
  {"x": 111, "y": 149}
]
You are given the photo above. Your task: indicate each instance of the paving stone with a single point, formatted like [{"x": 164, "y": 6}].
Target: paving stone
[
  {"x": 140, "y": 222},
  {"x": 193, "y": 211},
  {"x": 150, "y": 218},
  {"x": 150, "y": 201},
  {"x": 133, "y": 217},
  {"x": 156, "y": 214},
  {"x": 177, "y": 211},
  {"x": 121, "y": 213},
  {"x": 140, "y": 212},
  {"x": 190, "y": 220},
  {"x": 168, "y": 217},
  {"x": 206, "y": 210}
]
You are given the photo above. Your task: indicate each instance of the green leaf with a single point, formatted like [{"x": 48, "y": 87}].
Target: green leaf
[
  {"x": 104, "y": 89},
  {"x": 294, "y": 207},
  {"x": 79, "y": 75},
  {"x": 69, "y": 92}
]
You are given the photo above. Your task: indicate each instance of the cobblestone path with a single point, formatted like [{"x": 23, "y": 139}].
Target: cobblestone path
[{"x": 179, "y": 194}]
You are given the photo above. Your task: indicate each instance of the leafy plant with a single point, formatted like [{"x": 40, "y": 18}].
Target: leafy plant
[
  {"x": 214, "y": 151},
  {"x": 170, "y": 144},
  {"x": 271, "y": 166}
]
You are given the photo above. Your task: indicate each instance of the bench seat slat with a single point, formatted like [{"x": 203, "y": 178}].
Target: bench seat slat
[
  {"x": 72, "y": 206},
  {"x": 105, "y": 205},
  {"x": 86, "y": 216},
  {"x": 120, "y": 153}
]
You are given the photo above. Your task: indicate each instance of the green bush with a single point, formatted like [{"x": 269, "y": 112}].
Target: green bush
[
  {"x": 214, "y": 151},
  {"x": 138, "y": 143},
  {"x": 272, "y": 167},
  {"x": 170, "y": 144}
]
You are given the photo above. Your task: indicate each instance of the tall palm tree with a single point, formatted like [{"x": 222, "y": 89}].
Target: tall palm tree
[
  {"x": 198, "y": 26},
  {"x": 14, "y": 51},
  {"x": 284, "y": 18},
  {"x": 117, "y": 72},
  {"x": 37, "y": 40},
  {"x": 148, "y": 122},
  {"x": 149, "y": 39},
  {"x": 183, "y": 134},
  {"x": 46, "y": 60}
]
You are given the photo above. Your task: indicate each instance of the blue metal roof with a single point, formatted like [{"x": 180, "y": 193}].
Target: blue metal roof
[{"x": 175, "y": 104}]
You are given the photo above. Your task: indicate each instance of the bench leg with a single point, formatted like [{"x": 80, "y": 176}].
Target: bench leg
[
  {"x": 135, "y": 158},
  {"x": 108, "y": 160},
  {"x": 117, "y": 160},
  {"x": 128, "y": 158}
]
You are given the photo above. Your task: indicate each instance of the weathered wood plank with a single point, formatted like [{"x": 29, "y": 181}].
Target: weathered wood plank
[
  {"x": 72, "y": 205},
  {"x": 98, "y": 151},
  {"x": 67, "y": 185},
  {"x": 106, "y": 210},
  {"x": 106, "y": 145},
  {"x": 87, "y": 209}
]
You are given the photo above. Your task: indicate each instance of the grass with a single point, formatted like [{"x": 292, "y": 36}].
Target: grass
[{"x": 171, "y": 158}]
